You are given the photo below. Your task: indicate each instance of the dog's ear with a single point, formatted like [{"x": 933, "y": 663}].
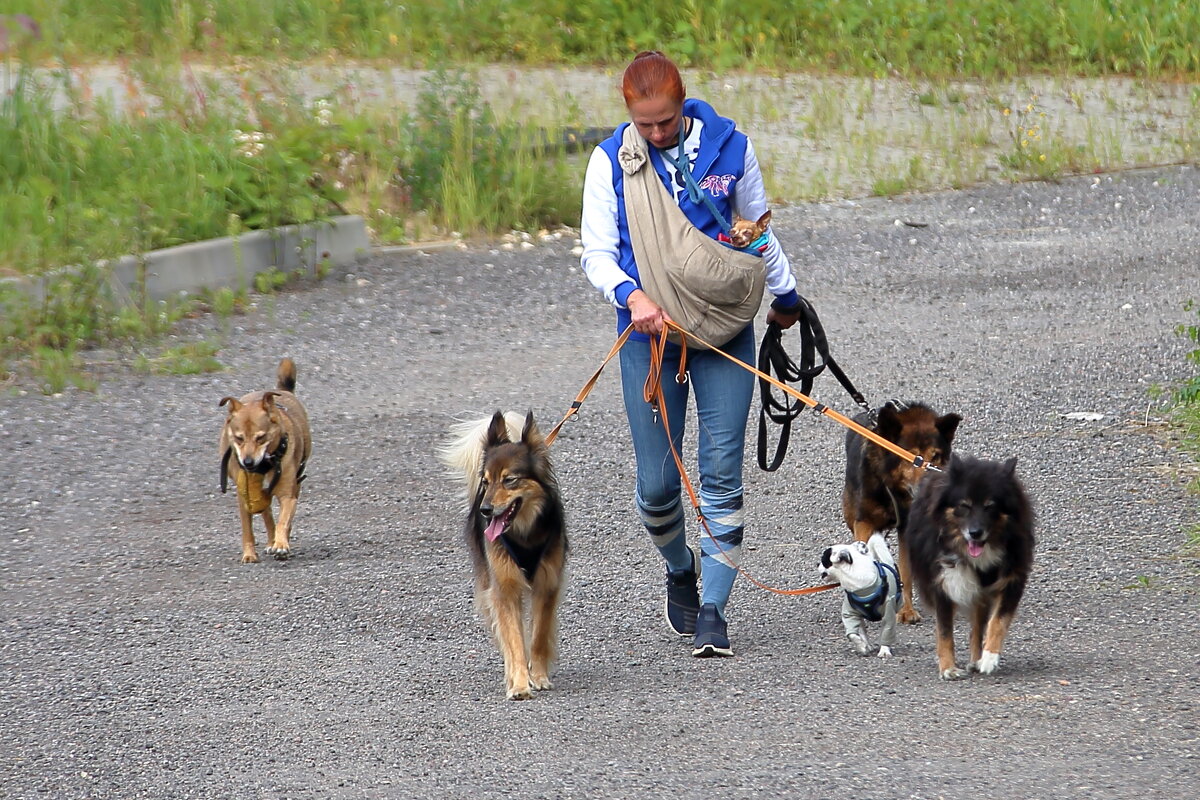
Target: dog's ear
[
  {"x": 827, "y": 558},
  {"x": 844, "y": 556},
  {"x": 1010, "y": 466},
  {"x": 497, "y": 432},
  {"x": 888, "y": 423},
  {"x": 234, "y": 405},
  {"x": 530, "y": 435},
  {"x": 765, "y": 219},
  {"x": 947, "y": 426}
]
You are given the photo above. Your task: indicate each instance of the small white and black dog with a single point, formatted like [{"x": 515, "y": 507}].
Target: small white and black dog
[{"x": 868, "y": 573}]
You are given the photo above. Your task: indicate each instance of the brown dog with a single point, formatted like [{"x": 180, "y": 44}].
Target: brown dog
[
  {"x": 265, "y": 444},
  {"x": 880, "y": 486},
  {"x": 517, "y": 538}
]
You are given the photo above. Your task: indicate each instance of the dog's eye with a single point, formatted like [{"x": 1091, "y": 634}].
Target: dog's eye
[
  {"x": 963, "y": 507},
  {"x": 260, "y": 437},
  {"x": 512, "y": 481},
  {"x": 988, "y": 505},
  {"x": 936, "y": 457},
  {"x": 239, "y": 438}
]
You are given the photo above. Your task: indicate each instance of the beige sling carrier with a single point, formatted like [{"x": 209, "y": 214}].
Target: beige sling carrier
[{"x": 709, "y": 289}]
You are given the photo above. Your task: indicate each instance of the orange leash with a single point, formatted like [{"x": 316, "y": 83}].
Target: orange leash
[{"x": 652, "y": 393}]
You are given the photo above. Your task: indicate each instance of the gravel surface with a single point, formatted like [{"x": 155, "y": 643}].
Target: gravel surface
[{"x": 141, "y": 659}]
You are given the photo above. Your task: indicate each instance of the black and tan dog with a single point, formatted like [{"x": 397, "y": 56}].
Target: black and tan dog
[
  {"x": 971, "y": 538},
  {"x": 880, "y": 485},
  {"x": 265, "y": 444},
  {"x": 517, "y": 538}
]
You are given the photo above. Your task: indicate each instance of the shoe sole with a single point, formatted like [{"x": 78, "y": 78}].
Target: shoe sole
[{"x": 710, "y": 650}]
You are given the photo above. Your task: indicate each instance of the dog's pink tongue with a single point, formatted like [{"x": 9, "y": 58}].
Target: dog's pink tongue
[
  {"x": 975, "y": 549},
  {"x": 494, "y": 529}
]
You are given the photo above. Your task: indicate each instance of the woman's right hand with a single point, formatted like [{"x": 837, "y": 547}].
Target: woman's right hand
[{"x": 645, "y": 314}]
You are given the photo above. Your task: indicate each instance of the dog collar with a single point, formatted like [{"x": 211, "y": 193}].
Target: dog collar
[
  {"x": 871, "y": 606},
  {"x": 271, "y": 462}
]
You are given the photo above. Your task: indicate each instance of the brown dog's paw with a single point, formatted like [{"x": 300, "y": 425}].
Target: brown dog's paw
[
  {"x": 540, "y": 682},
  {"x": 249, "y": 558},
  {"x": 280, "y": 553},
  {"x": 520, "y": 693},
  {"x": 908, "y": 616}
]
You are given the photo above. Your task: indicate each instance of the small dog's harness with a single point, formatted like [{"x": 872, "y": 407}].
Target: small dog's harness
[
  {"x": 871, "y": 606},
  {"x": 271, "y": 462}
]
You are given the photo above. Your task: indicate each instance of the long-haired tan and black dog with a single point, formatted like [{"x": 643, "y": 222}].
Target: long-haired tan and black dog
[
  {"x": 970, "y": 533},
  {"x": 517, "y": 538},
  {"x": 265, "y": 444},
  {"x": 880, "y": 485}
]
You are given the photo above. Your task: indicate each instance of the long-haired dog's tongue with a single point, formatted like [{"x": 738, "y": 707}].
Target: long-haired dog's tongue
[
  {"x": 494, "y": 529},
  {"x": 974, "y": 548}
]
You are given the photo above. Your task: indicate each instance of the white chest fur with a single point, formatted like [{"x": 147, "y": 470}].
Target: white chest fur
[{"x": 960, "y": 583}]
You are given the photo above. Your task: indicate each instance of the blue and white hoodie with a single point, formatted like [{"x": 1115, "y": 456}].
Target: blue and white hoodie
[{"x": 725, "y": 167}]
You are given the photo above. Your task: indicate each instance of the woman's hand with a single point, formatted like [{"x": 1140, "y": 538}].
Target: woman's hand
[
  {"x": 645, "y": 314},
  {"x": 784, "y": 321}
]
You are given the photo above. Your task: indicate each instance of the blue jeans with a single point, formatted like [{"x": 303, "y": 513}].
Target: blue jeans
[{"x": 723, "y": 392}]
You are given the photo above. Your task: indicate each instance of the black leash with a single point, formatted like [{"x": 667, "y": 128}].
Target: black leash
[{"x": 773, "y": 359}]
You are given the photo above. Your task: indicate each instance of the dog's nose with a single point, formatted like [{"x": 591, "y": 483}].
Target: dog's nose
[
  {"x": 247, "y": 462},
  {"x": 486, "y": 511}
]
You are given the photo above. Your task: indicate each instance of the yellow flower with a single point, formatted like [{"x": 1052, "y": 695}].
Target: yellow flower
[
  {"x": 1007, "y": 111},
  {"x": 393, "y": 39},
  {"x": 1042, "y": 157}
]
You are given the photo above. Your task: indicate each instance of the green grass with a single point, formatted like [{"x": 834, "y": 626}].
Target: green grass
[
  {"x": 979, "y": 37},
  {"x": 1187, "y": 411}
]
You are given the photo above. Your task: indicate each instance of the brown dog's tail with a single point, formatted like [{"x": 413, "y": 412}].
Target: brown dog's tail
[{"x": 286, "y": 377}]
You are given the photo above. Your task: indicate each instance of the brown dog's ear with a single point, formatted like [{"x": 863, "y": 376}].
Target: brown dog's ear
[
  {"x": 234, "y": 405},
  {"x": 947, "y": 426},
  {"x": 887, "y": 424},
  {"x": 268, "y": 400},
  {"x": 497, "y": 432},
  {"x": 765, "y": 219}
]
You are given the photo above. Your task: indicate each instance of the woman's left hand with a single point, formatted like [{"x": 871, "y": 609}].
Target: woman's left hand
[{"x": 784, "y": 321}]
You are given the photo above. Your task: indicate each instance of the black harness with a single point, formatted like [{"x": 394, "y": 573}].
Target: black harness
[
  {"x": 773, "y": 358},
  {"x": 872, "y": 605},
  {"x": 271, "y": 462}
]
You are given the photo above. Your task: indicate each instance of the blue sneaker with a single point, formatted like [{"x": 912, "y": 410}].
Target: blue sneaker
[
  {"x": 683, "y": 600},
  {"x": 710, "y": 634}
]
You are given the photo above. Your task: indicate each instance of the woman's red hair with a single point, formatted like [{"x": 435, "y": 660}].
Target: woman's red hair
[{"x": 651, "y": 74}]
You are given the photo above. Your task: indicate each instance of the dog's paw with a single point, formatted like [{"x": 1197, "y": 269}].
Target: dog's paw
[
  {"x": 540, "y": 682},
  {"x": 860, "y": 643},
  {"x": 520, "y": 693},
  {"x": 987, "y": 663},
  {"x": 952, "y": 674},
  {"x": 884, "y": 651},
  {"x": 250, "y": 558},
  {"x": 280, "y": 553},
  {"x": 908, "y": 616}
]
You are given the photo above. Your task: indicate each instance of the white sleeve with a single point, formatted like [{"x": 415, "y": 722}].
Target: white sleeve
[
  {"x": 598, "y": 228},
  {"x": 750, "y": 202}
]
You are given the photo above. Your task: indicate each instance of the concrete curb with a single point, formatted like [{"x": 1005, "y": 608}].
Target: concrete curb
[{"x": 230, "y": 261}]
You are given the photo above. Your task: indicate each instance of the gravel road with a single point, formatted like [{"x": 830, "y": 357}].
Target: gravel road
[{"x": 142, "y": 660}]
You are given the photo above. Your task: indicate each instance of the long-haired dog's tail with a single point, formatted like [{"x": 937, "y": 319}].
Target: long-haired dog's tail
[{"x": 462, "y": 451}]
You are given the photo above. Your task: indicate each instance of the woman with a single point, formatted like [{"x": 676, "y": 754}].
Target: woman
[{"x": 683, "y": 134}]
